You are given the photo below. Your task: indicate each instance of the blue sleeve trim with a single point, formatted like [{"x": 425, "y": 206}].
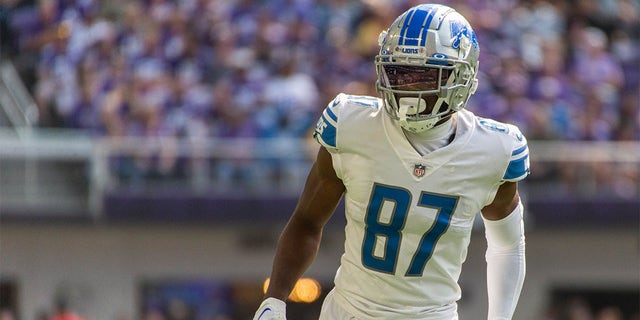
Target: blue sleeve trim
[
  {"x": 517, "y": 168},
  {"x": 332, "y": 115},
  {"x": 328, "y": 134},
  {"x": 519, "y": 150}
]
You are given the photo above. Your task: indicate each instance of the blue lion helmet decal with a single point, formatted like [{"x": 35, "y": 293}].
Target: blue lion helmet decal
[{"x": 460, "y": 29}]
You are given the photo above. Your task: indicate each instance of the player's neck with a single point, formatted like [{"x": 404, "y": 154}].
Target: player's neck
[{"x": 435, "y": 138}]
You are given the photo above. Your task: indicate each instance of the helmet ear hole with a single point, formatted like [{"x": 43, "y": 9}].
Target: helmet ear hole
[{"x": 444, "y": 107}]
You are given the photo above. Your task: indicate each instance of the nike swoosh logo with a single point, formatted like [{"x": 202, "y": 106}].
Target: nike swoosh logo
[{"x": 262, "y": 313}]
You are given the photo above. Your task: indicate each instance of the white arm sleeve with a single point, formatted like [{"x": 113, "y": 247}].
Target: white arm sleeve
[{"x": 506, "y": 264}]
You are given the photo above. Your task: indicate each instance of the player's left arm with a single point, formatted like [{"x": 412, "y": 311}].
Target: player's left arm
[
  {"x": 504, "y": 226},
  {"x": 506, "y": 264}
]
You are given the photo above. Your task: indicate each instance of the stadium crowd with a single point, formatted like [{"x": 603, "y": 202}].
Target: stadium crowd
[{"x": 560, "y": 70}]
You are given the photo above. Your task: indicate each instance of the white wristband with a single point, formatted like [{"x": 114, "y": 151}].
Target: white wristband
[{"x": 271, "y": 309}]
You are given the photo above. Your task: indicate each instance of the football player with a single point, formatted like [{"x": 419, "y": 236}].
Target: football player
[{"x": 414, "y": 168}]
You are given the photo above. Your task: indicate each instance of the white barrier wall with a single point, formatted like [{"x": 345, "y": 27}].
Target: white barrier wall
[{"x": 103, "y": 264}]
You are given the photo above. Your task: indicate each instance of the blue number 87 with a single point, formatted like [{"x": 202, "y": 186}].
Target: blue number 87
[{"x": 392, "y": 231}]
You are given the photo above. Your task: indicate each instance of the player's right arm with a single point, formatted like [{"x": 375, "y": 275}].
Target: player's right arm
[{"x": 300, "y": 239}]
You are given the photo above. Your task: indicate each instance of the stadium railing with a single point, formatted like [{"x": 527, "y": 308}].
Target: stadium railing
[
  {"x": 17, "y": 107},
  {"x": 60, "y": 174}
]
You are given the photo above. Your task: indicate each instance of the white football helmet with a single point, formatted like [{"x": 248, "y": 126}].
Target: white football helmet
[{"x": 427, "y": 65}]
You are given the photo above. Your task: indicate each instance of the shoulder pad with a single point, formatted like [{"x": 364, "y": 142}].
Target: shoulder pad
[
  {"x": 327, "y": 125},
  {"x": 515, "y": 148},
  {"x": 326, "y": 131},
  {"x": 518, "y": 167}
]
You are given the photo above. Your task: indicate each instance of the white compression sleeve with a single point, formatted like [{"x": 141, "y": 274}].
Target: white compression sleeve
[{"x": 506, "y": 264}]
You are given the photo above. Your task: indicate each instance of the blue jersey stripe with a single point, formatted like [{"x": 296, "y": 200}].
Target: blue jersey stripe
[
  {"x": 332, "y": 115},
  {"x": 517, "y": 168},
  {"x": 519, "y": 150},
  {"x": 328, "y": 133}
]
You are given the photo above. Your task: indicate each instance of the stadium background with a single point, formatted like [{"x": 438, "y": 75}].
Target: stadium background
[{"x": 151, "y": 151}]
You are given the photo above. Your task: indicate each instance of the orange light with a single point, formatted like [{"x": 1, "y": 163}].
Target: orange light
[
  {"x": 265, "y": 285},
  {"x": 306, "y": 290}
]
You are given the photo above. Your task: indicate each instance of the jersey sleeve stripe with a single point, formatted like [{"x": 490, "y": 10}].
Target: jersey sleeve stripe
[
  {"x": 331, "y": 115},
  {"x": 328, "y": 134},
  {"x": 517, "y": 168},
  {"x": 519, "y": 150}
]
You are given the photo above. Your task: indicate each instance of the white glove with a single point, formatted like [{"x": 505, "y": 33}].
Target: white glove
[{"x": 271, "y": 309}]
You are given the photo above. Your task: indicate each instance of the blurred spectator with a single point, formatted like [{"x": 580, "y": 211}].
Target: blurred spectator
[
  {"x": 153, "y": 314},
  {"x": 7, "y": 314},
  {"x": 579, "y": 308},
  {"x": 609, "y": 313},
  {"x": 62, "y": 311},
  {"x": 179, "y": 310}
]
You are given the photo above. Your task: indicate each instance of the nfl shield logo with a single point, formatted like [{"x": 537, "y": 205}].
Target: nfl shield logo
[{"x": 419, "y": 170}]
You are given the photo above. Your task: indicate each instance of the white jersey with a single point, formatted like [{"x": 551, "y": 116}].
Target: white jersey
[{"x": 409, "y": 217}]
